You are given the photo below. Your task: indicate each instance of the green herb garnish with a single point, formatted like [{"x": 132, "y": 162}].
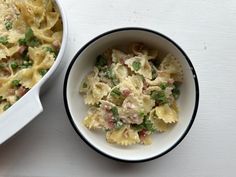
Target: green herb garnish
[
  {"x": 8, "y": 105},
  {"x": 14, "y": 65},
  {"x": 176, "y": 91},
  {"x": 15, "y": 83},
  {"x": 116, "y": 92},
  {"x": 42, "y": 72},
  {"x": 159, "y": 96},
  {"x": 8, "y": 25},
  {"x": 4, "y": 40},
  {"x": 22, "y": 41},
  {"x": 141, "y": 114},
  {"x": 26, "y": 63},
  {"x": 100, "y": 61},
  {"x": 114, "y": 111},
  {"x": 30, "y": 39},
  {"x": 145, "y": 125},
  {"x": 136, "y": 65},
  {"x": 51, "y": 50},
  {"x": 163, "y": 86},
  {"x": 118, "y": 122},
  {"x": 108, "y": 73},
  {"x": 1, "y": 98}
]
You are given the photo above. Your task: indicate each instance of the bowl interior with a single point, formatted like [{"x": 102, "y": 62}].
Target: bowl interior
[{"x": 83, "y": 64}]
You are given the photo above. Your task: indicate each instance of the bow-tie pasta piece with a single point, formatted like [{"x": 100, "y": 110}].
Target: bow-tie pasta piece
[{"x": 124, "y": 136}]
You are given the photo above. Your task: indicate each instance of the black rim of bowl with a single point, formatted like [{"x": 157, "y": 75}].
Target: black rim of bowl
[{"x": 125, "y": 29}]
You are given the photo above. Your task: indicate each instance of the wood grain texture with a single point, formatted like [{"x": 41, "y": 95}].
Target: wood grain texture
[{"x": 205, "y": 29}]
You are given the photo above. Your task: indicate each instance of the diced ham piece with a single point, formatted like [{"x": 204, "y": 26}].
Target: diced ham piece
[
  {"x": 22, "y": 49},
  {"x": 8, "y": 17},
  {"x": 122, "y": 61},
  {"x": 56, "y": 44},
  {"x": 11, "y": 91},
  {"x": 142, "y": 134},
  {"x": 21, "y": 91},
  {"x": 110, "y": 123},
  {"x": 171, "y": 81},
  {"x": 126, "y": 92}
]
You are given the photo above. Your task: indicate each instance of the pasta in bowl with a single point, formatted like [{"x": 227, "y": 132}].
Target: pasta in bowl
[
  {"x": 144, "y": 93},
  {"x": 32, "y": 40},
  {"x": 132, "y": 95}
]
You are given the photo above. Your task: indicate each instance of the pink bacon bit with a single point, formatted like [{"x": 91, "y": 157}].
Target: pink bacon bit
[
  {"x": 8, "y": 17},
  {"x": 22, "y": 49},
  {"x": 11, "y": 91},
  {"x": 21, "y": 91},
  {"x": 142, "y": 134},
  {"x": 107, "y": 107},
  {"x": 126, "y": 92},
  {"x": 171, "y": 81},
  {"x": 56, "y": 44},
  {"x": 122, "y": 61},
  {"x": 129, "y": 105},
  {"x": 110, "y": 122}
]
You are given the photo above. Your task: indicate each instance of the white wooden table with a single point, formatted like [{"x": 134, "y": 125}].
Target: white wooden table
[{"x": 206, "y": 30}]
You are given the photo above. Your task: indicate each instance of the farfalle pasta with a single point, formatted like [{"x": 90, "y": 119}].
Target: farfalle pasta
[
  {"x": 30, "y": 38},
  {"x": 132, "y": 94}
]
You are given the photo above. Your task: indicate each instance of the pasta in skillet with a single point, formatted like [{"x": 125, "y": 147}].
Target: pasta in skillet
[
  {"x": 131, "y": 95},
  {"x": 30, "y": 38}
]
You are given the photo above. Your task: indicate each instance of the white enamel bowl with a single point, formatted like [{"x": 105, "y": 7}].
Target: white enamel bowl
[
  {"x": 29, "y": 106},
  {"x": 83, "y": 63}
]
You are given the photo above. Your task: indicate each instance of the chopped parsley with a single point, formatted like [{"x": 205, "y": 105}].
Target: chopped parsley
[
  {"x": 30, "y": 39},
  {"x": 22, "y": 41},
  {"x": 114, "y": 111},
  {"x": 15, "y": 83},
  {"x": 176, "y": 91},
  {"x": 8, "y": 105},
  {"x": 118, "y": 123},
  {"x": 110, "y": 75},
  {"x": 3, "y": 40},
  {"x": 8, "y": 25},
  {"x": 51, "y": 50},
  {"x": 163, "y": 86},
  {"x": 141, "y": 114},
  {"x": 26, "y": 63},
  {"x": 116, "y": 92},
  {"x": 42, "y": 72},
  {"x": 145, "y": 125},
  {"x": 14, "y": 65},
  {"x": 100, "y": 61},
  {"x": 159, "y": 96},
  {"x": 136, "y": 65}
]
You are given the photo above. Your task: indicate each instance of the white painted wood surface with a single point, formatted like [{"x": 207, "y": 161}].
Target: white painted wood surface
[{"x": 206, "y": 30}]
